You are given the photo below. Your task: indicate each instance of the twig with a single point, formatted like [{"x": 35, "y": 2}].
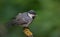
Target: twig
[{"x": 27, "y": 32}]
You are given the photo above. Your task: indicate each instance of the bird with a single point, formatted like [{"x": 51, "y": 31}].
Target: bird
[{"x": 23, "y": 19}]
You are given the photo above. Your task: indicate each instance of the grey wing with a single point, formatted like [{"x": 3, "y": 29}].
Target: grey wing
[{"x": 21, "y": 20}]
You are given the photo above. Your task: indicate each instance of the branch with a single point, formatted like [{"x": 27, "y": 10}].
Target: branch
[{"x": 27, "y": 32}]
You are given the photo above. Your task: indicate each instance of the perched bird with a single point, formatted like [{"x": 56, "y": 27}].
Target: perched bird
[{"x": 23, "y": 19}]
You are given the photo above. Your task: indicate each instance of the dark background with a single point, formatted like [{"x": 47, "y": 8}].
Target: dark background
[{"x": 46, "y": 24}]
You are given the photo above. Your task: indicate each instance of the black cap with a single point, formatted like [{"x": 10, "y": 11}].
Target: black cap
[{"x": 32, "y": 12}]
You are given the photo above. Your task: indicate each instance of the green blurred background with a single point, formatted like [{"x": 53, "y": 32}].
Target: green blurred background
[{"x": 46, "y": 23}]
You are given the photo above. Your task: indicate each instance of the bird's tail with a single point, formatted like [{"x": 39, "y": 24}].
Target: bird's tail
[{"x": 9, "y": 24}]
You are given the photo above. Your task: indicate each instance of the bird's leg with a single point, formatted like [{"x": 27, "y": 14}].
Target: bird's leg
[{"x": 27, "y": 32}]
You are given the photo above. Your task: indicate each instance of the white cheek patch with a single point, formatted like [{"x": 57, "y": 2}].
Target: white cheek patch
[
  {"x": 33, "y": 15},
  {"x": 30, "y": 15}
]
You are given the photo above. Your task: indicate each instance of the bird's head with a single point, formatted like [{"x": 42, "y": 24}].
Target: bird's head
[{"x": 31, "y": 14}]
